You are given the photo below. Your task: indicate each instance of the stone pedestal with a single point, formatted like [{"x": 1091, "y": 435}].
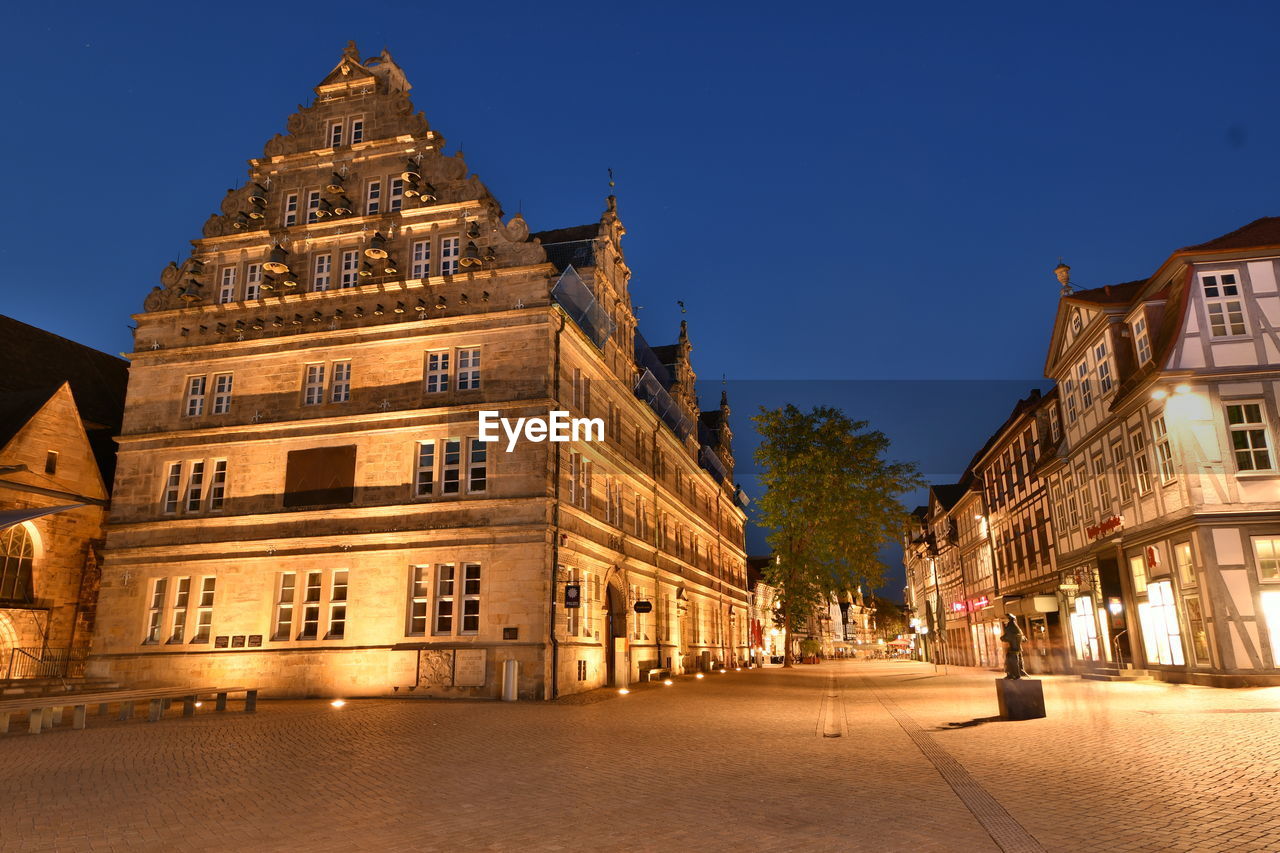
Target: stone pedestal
[{"x": 1020, "y": 698}]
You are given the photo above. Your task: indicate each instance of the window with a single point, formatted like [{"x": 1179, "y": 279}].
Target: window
[
  {"x": 1102, "y": 484},
  {"x": 322, "y": 277},
  {"x": 1122, "y": 471},
  {"x": 1073, "y": 504},
  {"x": 1248, "y": 437},
  {"x": 357, "y": 131},
  {"x": 227, "y": 285},
  {"x": 195, "y": 396},
  {"x": 418, "y": 584},
  {"x": 449, "y": 255},
  {"x": 1103, "y": 361},
  {"x": 637, "y": 626},
  {"x": 1138, "y": 568},
  {"x": 420, "y": 259},
  {"x": 437, "y": 371},
  {"x": 1141, "y": 467},
  {"x": 1069, "y": 395},
  {"x": 291, "y": 209},
  {"x": 335, "y": 134},
  {"x": 444, "y": 599},
  {"x": 313, "y": 385},
  {"x": 320, "y": 476},
  {"x": 252, "y": 281},
  {"x": 1164, "y": 454},
  {"x": 1196, "y": 627},
  {"x": 285, "y": 589},
  {"x": 1222, "y": 300},
  {"x": 195, "y": 487},
  {"x": 171, "y": 484},
  {"x": 221, "y": 393},
  {"x": 470, "y": 599},
  {"x": 1086, "y": 388},
  {"x": 1160, "y": 632},
  {"x": 1076, "y": 323},
  {"x": 204, "y": 612},
  {"x": 1055, "y": 424},
  {"x": 396, "y": 199},
  {"x": 313, "y": 206},
  {"x": 311, "y": 607},
  {"x": 181, "y": 601},
  {"x": 1186, "y": 565},
  {"x": 350, "y": 268},
  {"x": 373, "y": 198},
  {"x": 340, "y": 386},
  {"x": 1266, "y": 551},
  {"x": 477, "y": 472},
  {"x": 450, "y": 465},
  {"x": 17, "y": 555},
  {"x": 51, "y": 462},
  {"x": 1086, "y": 493},
  {"x": 1141, "y": 340},
  {"x": 425, "y": 480},
  {"x": 155, "y": 612},
  {"x": 468, "y": 369},
  {"x": 337, "y": 605}
]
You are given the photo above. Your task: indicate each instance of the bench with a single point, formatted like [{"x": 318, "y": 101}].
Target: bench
[
  {"x": 656, "y": 673},
  {"x": 46, "y": 711}
]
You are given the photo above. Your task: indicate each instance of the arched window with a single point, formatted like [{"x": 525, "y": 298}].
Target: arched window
[{"x": 16, "y": 554}]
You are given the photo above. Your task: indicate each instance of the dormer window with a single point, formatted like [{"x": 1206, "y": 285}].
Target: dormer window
[
  {"x": 1103, "y": 369},
  {"x": 1141, "y": 340},
  {"x": 1223, "y": 304}
]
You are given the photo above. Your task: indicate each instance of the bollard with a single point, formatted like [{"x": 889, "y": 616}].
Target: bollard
[{"x": 510, "y": 680}]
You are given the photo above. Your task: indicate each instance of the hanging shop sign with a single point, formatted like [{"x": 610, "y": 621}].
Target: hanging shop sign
[
  {"x": 643, "y": 607},
  {"x": 573, "y": 595},
  {"x": 1105, "y": 528}
]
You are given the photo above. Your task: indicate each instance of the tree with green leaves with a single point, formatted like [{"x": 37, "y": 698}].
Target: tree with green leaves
[{"x": 830, "y": 503}]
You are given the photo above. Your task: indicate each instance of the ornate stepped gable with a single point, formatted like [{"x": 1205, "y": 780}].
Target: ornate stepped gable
[{"x": 325, "y": 151}]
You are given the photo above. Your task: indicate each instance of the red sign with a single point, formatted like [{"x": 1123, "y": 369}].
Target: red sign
[
  {"x": 979, "y": 603},
  {"x": 1153, "y": 557},
  {"x": 1109, "y": 526}
]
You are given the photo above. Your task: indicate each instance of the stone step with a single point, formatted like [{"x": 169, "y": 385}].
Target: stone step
[
  {"x": 1117, "y": 674},
  {"x": 19, "y": 688}
]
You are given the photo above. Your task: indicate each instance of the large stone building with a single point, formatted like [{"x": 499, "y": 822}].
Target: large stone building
[
  {"x": 60, "y": 405},
  {"x": 303, "y": 499}
]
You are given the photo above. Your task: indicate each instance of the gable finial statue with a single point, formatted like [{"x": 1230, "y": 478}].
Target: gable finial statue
[
  {"x": 350, "y": 52},
  {"x": 1063, "y": 272}
]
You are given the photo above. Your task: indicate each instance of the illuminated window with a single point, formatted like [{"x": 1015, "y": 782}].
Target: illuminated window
[
  {"x": 444, "y": 599},
  {"x": 1161, "y": 634},
  {"x": 155, "y": 612},
  {"x": 419, "y": 584},
  {"x": 1185, "y": 563},
  {"x": 451, "y": 466},
  {"x": 1249, "y": 442},
  {"x": 1196, "y": 628},
  {"x": 470, "y": 599},
  {"x": 221, "y": 393},
  {"x": 424, "y": 482},
  {"x": 1222, "y": 301},
  {"x": 313, "y": 385},
  {"x": 227, "y": 285},
  {"x": 204, "y": 611},
  {"x": 1141, "y": 467},
  {"x": 1138, "y": 568},
  {"x": 337, "y": 605},
  {"x": 196, "y": 386},
  {"x": 1141, "y": 340},
  {"x": 468, "y": 369},
  {"x": 285, "y": 591},
  {"x": 1164, "y": 455},
  {"x": 252, "y": 281},
  {"x": 181, "y": 601},
  {"x": 478, "y": 468},
  {"x": 322, "y": 277},
  {"x": 1266, "y": 551},
  {"x": 449, "y": 249},
  {"x": 340, "y": 384},
  {"x": 437, "y": 371}
]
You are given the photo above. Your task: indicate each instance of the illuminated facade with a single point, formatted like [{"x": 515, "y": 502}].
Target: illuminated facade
[
  {"x": 303, "y": 501},
  {"x": 1166, "y": 487}
]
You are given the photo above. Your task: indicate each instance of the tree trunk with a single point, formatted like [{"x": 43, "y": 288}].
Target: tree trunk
[{"x": 786, "y": 645}]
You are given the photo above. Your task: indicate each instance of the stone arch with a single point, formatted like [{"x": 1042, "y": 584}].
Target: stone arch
[{"x": 20, "y": 551}]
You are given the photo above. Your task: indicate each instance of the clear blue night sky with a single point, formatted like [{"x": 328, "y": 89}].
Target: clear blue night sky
[{"x": 835, "y": 190}]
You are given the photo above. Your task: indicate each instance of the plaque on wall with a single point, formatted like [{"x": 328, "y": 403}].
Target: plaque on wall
[
  {"x": 221, "y": 642},
  {"x": 237, "y": 642},
  {"x": 255, "y": 640},
  {"x": 469, "y": 668},
  {"x": 510, "y": 633}
]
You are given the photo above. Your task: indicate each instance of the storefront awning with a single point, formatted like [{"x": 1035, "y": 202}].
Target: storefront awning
[{"x": 10, "y": 517}]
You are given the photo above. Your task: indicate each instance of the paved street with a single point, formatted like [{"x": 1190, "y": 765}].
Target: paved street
[{"x": 739, "y": 761}]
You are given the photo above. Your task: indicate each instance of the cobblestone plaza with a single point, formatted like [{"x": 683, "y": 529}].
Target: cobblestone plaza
[{"x": 856, "y": 755}]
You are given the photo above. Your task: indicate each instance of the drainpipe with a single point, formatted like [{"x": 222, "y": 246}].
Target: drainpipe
[{"x": 554, "y": 689}]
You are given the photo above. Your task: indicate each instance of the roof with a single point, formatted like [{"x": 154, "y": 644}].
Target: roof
[
  {"x": 567, "y": 247},
  {"x": 667, "y": 353},
  {"x": 36, "y": 360},
  {"x": 1259, "y": 232},
  {"x": 1110, "y": 294},
  {"x": 949, "y": 494},
  {"x": 17, "y": 408}
]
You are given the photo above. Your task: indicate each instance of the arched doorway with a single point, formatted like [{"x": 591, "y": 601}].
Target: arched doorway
[{"x": 616, "y": 629}]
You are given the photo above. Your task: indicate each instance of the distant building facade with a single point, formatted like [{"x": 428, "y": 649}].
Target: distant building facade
[{"x": 303, "y": 497}]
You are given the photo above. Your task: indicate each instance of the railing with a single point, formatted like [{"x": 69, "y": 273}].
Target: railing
[
  {"x": 46, "y": 663},
  {"x": 573, "y": 295}
]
